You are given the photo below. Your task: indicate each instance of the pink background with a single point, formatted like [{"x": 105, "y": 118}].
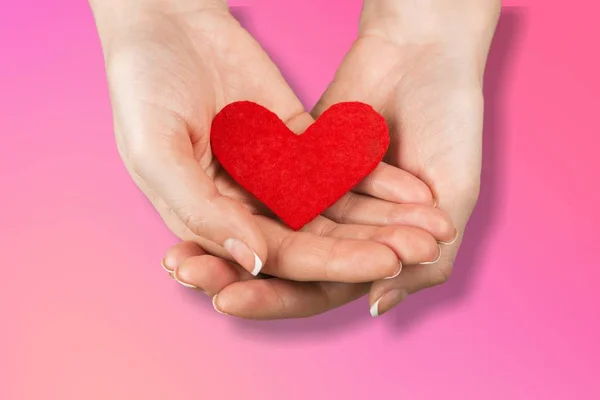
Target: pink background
[{"x": 88, "y": 313}]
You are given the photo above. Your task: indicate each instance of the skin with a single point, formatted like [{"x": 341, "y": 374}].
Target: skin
[
  {"x": 171, "y": 66},
  {"x": 421, "y": 64}
]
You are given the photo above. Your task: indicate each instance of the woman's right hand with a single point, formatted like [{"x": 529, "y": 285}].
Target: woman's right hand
[{"x": 171, "y": 67}]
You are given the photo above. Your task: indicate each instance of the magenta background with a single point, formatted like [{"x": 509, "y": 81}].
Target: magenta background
[{"x": 87, "y": 312}]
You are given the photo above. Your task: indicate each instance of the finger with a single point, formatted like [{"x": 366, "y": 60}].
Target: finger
[
  {"x": 279, "y": 299},
  {"x": 209, "y": 273},
  {"x": 390, "y": 183},
  {"x": 326, "y": 251},
  {"x": 169, "y": 168},
  {"x": 411, "y": 245},
  {"x": 268, "y": 299},
  {"x": 180, "y": 252},
  {"x": 364, "y": 210},
  {"x": 386, "y": 294},
  {"x": 307, "y": 256},
  {"x": 190, "y": 265}
]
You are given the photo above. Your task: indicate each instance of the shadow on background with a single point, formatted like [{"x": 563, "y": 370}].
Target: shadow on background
[
  {"x": 477, "y": 236},
  {"x": 242, "y": 14}
]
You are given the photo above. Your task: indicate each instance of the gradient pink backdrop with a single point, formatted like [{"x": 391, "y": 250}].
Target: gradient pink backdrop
[{"x": 88, "y": 313}]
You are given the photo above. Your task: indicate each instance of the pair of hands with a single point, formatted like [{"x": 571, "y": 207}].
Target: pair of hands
[{"x": 172, "y": 65}]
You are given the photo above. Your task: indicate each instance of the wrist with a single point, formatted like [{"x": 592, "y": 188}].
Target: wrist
[
  {"x": 166, "y": 5},
  {"x": 126, "y": 11},
  {"x": 120, "y": 21},
  {"x": 430, "y": 21}
]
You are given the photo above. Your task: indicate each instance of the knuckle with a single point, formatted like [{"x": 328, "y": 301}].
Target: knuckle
[
  {"x": 194, "y": 222},
  {"x": 326, "y": 228},
  {"x": 275, "y": 298},
  {"x": 325, "y": 297},
  {"x": 330, "y": 269},
  {"x": 282, "y": 256},
  {"x": 347, "y": 206}
]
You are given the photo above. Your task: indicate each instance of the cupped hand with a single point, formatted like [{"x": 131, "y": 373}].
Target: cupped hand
[
  {"x": 421, "y": 66},
  {"x": 171, "y": 67}
]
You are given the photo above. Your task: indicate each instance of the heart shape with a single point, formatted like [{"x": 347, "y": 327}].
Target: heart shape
[{"x": 299, "y": 176}]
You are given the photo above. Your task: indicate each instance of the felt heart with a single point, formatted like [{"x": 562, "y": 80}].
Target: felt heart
[{"x": 299, "y": 176}]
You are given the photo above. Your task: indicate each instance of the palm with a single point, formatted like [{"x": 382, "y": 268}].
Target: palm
[
  {"x": 179, "y": 72},
  {"x": 434, "y": 112}
]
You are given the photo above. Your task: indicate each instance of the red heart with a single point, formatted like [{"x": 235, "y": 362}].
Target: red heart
[{"x": 299, "y": 176}]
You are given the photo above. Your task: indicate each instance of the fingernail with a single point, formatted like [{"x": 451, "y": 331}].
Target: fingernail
[
  {"x": 243, "y": 255},
  {"x": 164, "y": 265},
  {"x": 388, "y": 301},
  {"x": 397, "y": 273},
  {"x": 452, "y": 241},
  {"x": 182, "y": 282},
  {"x": 214, "y": 303},
  {"x": 434, "y": 261}
]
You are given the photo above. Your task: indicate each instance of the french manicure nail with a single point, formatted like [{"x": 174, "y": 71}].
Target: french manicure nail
[
  {"x": 452, "y": 241},
  {"x": 397, "y": 272},
  {"x": 374, "y": 310},
  {"x": 181, "y": 282},
  {"x": 388, "y": 301},
  {"x": 162, "y": 264},
  {"x": 243, "y": 255},
  {"x": 434, "y": 261},
  {"x": 214, "y": 303}
]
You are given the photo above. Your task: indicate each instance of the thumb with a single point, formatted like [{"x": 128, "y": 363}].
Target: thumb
[{"x": 171, "y": 171}]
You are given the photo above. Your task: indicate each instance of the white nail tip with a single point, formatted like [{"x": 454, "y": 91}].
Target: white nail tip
[
  {"x": 231, "y": 244},
  {"x": 450, "y": 242},
  {"x": 374, "y": 310},
  {"x": 434, "y": 261},
  {"x": 257, "y": 265},
  {"x": 187, "y": 285},
  {"x": 396, "y": 274},
  {"x": 162, "y": 264},
  {"x": 214, "y": 303}
]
